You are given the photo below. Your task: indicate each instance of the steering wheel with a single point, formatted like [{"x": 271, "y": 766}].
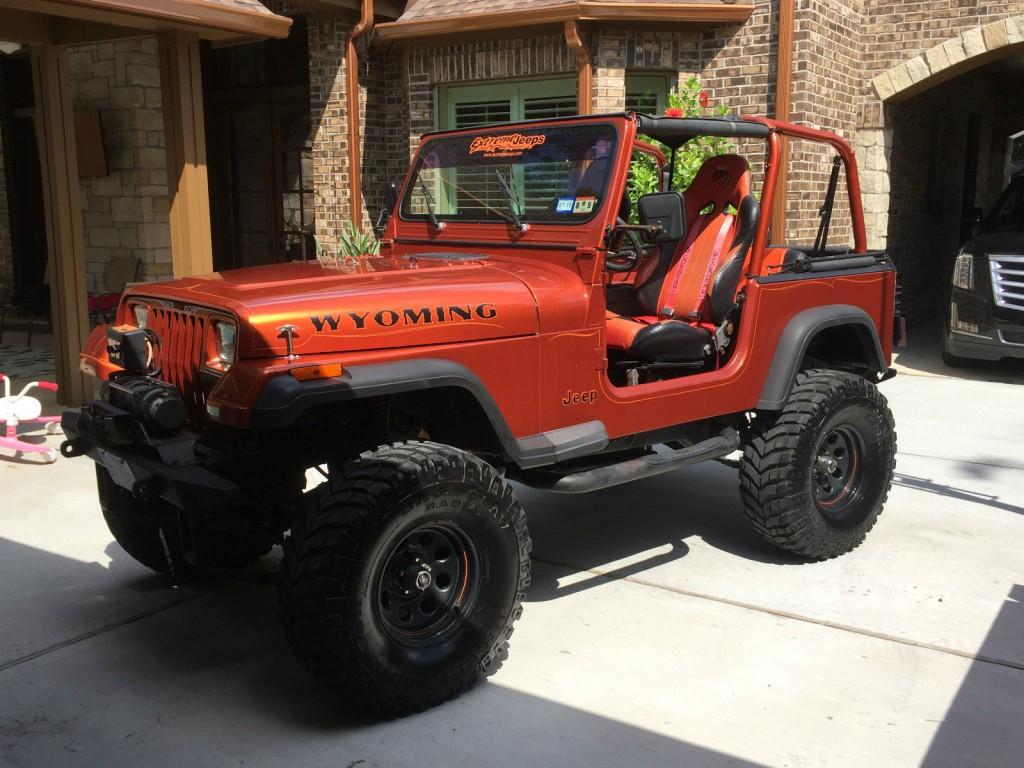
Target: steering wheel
[{"x": 622, "y": 257}]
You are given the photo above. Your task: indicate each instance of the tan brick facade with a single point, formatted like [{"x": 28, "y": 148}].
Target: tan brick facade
[{"x": 851, "y": 62}]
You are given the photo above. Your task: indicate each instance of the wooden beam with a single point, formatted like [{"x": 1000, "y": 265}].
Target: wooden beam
[
  {"x": 24, "y": 27},
  {"x": 182, "y": 89},
  {"x": 65, "y": 236}
]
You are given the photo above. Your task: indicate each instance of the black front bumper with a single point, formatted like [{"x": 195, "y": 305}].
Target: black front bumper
[{"x": 150, "y": 468}]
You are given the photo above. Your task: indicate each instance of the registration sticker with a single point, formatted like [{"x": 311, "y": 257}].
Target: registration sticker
[
  {"x": 565, "y": 204},
  {"x": 584, "y": 204}
]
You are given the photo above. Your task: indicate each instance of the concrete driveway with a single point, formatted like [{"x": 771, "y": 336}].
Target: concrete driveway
[{"x": 659, "y": 631}]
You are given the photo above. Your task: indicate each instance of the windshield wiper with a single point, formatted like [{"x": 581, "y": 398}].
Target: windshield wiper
[
  {"x": 429, "y": 200},
  {"x": 511, "y": 201}
]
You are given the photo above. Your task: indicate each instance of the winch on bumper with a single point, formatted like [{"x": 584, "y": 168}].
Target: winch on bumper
[{"x": 135, "y": 431}]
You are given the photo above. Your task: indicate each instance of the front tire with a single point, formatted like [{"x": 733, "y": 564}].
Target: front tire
[
  {"x": 815, "y": 476},
  {"x": 151, "y": 533},
  {"x": 401, "y": 582}
]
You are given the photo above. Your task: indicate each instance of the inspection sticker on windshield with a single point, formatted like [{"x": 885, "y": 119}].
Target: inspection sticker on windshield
[
  {"x": 565, "y": 204},
  {"x": 584, "y": 204}
]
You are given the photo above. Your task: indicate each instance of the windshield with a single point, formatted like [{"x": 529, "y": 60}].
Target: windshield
[
  {"x": 1008, "y": 214},
  {"x": 555, "y": 174}
]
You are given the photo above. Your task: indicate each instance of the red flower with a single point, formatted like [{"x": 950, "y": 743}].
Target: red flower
[
  {"x": 704, "y": 99},
  {"x": 673, "y": 112}
]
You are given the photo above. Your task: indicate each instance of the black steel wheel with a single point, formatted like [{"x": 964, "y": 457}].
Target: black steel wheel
[
  {"x": 402, "y": 581},
  {"x": 838, "y": 472},
  {"x": 815, "y": 476},
  {"x": 429, "y": 584}
]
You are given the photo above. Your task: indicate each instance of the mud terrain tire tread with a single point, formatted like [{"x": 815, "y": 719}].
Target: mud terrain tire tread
[
  {"x": 774, "y": 471},
  {"x": 323, "y": 610}
]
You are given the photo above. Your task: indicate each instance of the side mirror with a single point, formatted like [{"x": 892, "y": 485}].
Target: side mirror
[
  {"x": 667, "y": 212},
  {"x": 390, "y": 201}
]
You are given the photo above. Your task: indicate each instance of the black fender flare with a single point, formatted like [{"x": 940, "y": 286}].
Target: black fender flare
[
  {"x": 796, "y": 339},
  {"x": 284, "y": 399}
]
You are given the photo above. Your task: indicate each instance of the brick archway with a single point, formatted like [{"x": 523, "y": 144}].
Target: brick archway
[{"x": 955, "y": 56}]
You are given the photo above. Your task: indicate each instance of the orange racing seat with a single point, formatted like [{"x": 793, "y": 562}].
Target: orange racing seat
[{"x": 690, "y": 288}]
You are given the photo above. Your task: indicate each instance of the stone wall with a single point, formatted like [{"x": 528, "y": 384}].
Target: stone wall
[{"x": 125, "y": 212}]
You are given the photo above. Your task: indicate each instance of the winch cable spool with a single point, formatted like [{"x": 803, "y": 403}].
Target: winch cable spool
[{"x": 158, "y": 406}]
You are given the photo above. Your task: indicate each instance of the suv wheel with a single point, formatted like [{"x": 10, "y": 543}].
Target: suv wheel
[
  {"x": 815, "y": 475},
  {"x": 149, "y": 532},
  {"x": 401, "y": 582}
]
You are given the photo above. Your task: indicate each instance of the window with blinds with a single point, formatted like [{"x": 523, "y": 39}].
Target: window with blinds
[
  {"x": 647, "y": 93},
  {"x": 471, "y": 106}
]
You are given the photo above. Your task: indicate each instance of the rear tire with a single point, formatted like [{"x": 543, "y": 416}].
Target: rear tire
[
  {"x": 401, "y": 582},
  {"x": 815, "y": 476}
]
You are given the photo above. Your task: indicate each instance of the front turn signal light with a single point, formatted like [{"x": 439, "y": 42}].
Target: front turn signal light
[{"x": 311, "y": 372}]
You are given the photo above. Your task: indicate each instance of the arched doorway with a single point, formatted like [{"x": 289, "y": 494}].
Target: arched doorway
[{"x": 953, "y": 118}]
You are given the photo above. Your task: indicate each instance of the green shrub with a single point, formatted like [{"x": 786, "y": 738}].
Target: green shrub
[{"x": 689, "y": 100}]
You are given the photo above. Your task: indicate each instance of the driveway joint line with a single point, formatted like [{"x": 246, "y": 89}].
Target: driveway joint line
[
  {"x": 99, "y": 631},
  {"x": 1019, "y": 666}
]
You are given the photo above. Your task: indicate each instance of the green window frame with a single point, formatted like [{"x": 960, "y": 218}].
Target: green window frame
[
  {"x": 467, "y": 106},
  {"x": 647, "y": 92}
]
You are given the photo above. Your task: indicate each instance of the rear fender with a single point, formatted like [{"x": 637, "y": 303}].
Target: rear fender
[{"x": 799, "y": 337}]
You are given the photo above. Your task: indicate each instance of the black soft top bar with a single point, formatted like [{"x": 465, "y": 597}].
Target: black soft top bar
[{"x": 675, "y": 131}]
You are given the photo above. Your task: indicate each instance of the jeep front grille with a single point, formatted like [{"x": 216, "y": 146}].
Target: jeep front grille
[
  {"x": 1007, "y": 280},
  {"x": 180, "y": 354}
]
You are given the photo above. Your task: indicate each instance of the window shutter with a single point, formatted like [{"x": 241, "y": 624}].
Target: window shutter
[
  {"x": 469, "y": 114},
  {"x": 470, "y": 106}
]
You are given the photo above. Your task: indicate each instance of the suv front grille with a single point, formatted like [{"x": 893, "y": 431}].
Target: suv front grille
[
  {"x": 1007, "y": 280},
  {"x": 180, "y": 354}
]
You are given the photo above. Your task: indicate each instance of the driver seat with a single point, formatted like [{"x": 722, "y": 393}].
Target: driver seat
[{"x": 687, "y": 292}]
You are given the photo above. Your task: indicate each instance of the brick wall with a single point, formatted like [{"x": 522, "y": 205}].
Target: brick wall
[
  {"x": 126, "y": 212},
  {"x": 329, "y": 112},
  {"x": 895, "y": 32}
]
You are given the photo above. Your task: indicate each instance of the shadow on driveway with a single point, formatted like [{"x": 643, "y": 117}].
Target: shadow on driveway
[
  {"x": 210, "y": 680},
  {"x": 969, "y": 734}
]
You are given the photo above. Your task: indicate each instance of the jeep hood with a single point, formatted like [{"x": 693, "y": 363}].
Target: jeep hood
[{"x": 381, "y": 303}]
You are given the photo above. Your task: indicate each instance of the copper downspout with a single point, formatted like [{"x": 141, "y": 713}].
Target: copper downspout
[
  {"x": 584, "y": 74},
  {"x": 783, "y": 99},
  {"x": 364, "y": 24}
]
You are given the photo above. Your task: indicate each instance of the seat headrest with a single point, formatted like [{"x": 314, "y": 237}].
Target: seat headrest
[{"x": 721, "y": 181}]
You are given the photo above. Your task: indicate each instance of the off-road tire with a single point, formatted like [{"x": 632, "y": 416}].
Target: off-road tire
[
  {"x": 781, "y": 488},
  {"x": 149, "y": 532},
  {"x": 334, "y": 592}
]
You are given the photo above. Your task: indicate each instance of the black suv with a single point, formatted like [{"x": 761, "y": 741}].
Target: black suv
[{"x": 986, "y": 308}]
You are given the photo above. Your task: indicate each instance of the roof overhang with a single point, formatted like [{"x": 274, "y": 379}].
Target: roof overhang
[
  {"x": 575, "y": 10},
  {"x": 65, "y": 22}
]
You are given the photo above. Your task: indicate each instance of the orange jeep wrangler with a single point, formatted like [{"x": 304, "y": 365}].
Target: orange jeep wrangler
[{"x": 521, "y": 322}]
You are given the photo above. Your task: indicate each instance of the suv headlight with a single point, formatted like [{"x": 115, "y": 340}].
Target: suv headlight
[{"x": 963, "y": 271}]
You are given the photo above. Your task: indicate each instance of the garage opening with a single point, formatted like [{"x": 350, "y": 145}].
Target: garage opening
[{"x": 954, "y": 149}]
